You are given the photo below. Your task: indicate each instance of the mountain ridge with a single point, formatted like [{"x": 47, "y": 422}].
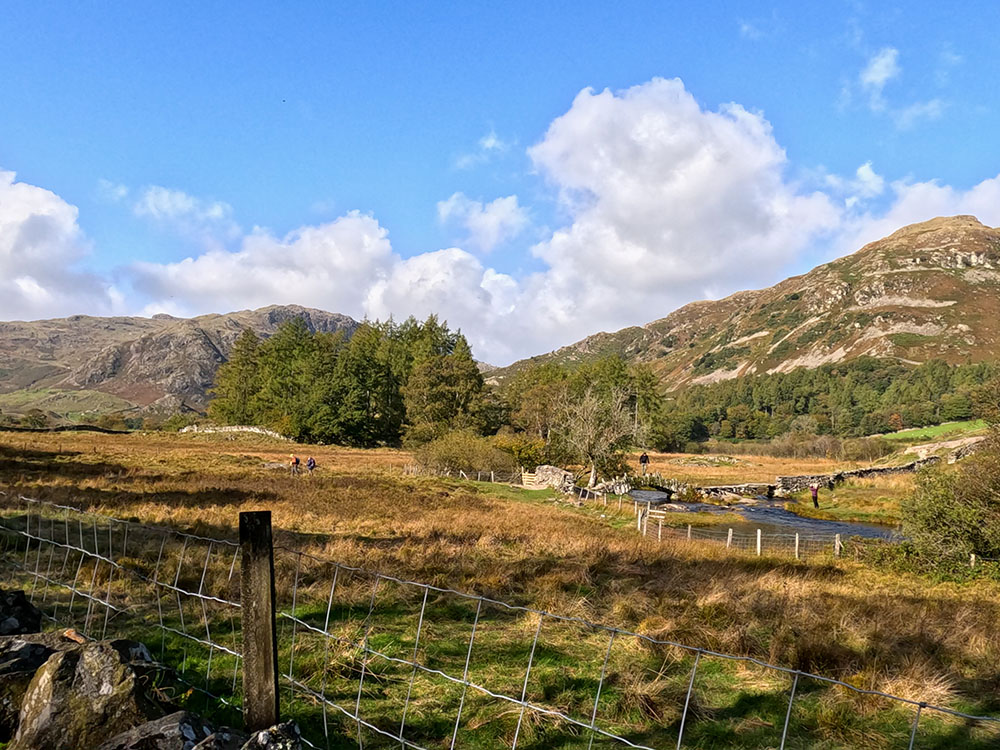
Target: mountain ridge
[
  {"x": 163, "y": 362},
  {"x": 928, "y": 290}
]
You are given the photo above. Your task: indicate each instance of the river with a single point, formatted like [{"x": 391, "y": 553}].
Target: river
[{"x": 771, "y": 518}]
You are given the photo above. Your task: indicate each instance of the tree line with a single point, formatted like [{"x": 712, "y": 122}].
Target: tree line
[
  {"x": 413, "y": 382},
  {"x": 385, "y": 383},
  {"x": 864, "y": 396}
]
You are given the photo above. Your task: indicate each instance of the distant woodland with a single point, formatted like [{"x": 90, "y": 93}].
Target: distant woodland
[{"x": 412, "y": 382}]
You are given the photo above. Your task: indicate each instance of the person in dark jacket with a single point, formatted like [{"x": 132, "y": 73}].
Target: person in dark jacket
[
  {"x": 310, "y": 464},
  {"x": 643, "y": 463},
  {"x": 814, "y": 489}
]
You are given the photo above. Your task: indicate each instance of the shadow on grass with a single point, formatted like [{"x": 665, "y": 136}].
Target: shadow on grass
[{"x": 17, "y": 463}]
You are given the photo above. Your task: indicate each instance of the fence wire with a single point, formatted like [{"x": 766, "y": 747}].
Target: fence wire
[
  {"x": 371, "y": 660},
  {"x": 110, "y": 578},
  {"x": 651, "y": 525}
]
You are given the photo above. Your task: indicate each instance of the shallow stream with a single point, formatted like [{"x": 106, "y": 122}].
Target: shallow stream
[{"x": 770, "y": 517}]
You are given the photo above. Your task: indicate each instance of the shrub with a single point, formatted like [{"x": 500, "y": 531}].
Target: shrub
[
  {"x": 465, "y": 451},
  {"x": 956, "y": 512},
  {"x": 526, "y": 450},
  {"x": 866, "y": 449}
]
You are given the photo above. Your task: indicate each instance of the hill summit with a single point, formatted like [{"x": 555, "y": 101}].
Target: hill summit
[
  {"x": 929, "y": 290},
  {"x": 160, "y": 362}
]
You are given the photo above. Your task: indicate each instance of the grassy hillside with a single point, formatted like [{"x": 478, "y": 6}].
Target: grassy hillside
[
  {"x": 72, "y": 404},
  {"x": 880, "y": 630},
  {"x": 948, "y": 430},
  {"x": 927, "y": 291}
]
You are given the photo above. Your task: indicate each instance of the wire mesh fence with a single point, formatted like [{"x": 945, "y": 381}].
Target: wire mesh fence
[
  {"x": 109, "y": 578},
  {"x": 801, "y": 546},
  {"x": 370, "y": 660}
]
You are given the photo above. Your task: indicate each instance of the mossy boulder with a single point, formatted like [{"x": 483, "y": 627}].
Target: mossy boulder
[
  {"x": 20, "y": 657},
  {"x": 81, "y": 697}
]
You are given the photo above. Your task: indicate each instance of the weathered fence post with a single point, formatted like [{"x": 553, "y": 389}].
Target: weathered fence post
[
  {"x": 689, "y": 532},
  {"x": 659, "y": 532},
  {"x": 837, "y": 546},
  {"x": 729, "y": 539},
  {"x": 972, "y": 560},
  {"x": 758, "y": 542},
  {"x": 491, "y": 478},
  {"x": 620, "y": 498},
  {"x": 796, "y": 545},
  {"x": 260, "y": 647}
]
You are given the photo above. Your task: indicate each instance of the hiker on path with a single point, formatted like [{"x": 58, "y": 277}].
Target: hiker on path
[
  {"x": 643, "y": 463},
  {"x": 293, "y": 464},
  {"x": 310, "y": 464},
  {"x": 814, "y": 489}
]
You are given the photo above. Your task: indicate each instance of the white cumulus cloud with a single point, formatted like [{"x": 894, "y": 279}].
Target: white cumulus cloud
[
  {"x": 186, "y": 213},
  {"x": 487, "y": 225},
  {"x": 40, "y": 246},
  {"x": 668, "y": 202},
  {"x": 909, "y": 116},
  {"x": 330, "y": 265},
  {"x": 671, "y": 202},
  {"x": 913, "y": 202},
  {"x": 663, "y": 200},
  {"x": 882, "y": 67}
]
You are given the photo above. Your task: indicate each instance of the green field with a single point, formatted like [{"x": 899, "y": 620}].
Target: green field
[
  {"x": 71, "y": 404},
  {"x": 946, "y": 430}
]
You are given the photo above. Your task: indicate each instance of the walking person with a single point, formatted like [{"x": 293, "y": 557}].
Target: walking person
[
  {"x": 814, "y": 489},
  {"x": 643, "y": 463},
  {"x": 310, "y": 464},
  {"x": 293, "y": 464}
]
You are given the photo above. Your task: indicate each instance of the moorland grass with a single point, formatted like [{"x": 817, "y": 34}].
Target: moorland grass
[{"x": 883, "y": 630}]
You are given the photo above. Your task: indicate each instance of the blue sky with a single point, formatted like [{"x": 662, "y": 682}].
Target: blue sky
[{"x": 405, "y": 158}]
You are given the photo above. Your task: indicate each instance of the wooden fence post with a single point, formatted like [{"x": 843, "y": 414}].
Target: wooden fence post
[
  {"x": 659, "y": 532},
  {"x": 689, "y": 532},
  {"x": 972, "y": 560},
  {"x": 620, "y": 498},
  {"x": 837, "y": 545},
  {"x": 260, "y": 647},
  {"x": 796, "y": 545},
  {"x": 758, "y": 542},
  {"x": 729, "y": 539}
]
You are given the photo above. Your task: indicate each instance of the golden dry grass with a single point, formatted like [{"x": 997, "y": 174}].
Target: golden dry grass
[
  {"x": 842, "y": 620},
  {"x": 708, "y": 470}
]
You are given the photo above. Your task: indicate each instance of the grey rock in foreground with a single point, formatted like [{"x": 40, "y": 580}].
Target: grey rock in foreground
[
  {"x": 20, "y": 657},
  {"x": 81, "y": 696},
  {"x": 285, "y": 736},
  {"x": 18, "y": 615},
  {"x": 222, "y": 739},
  {"x": 177, "y": 731}
]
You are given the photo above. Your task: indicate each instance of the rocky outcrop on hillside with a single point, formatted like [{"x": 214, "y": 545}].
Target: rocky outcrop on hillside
[
  {"x": 930, "y": 290},
  {"x": 161, "y": 362}
]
